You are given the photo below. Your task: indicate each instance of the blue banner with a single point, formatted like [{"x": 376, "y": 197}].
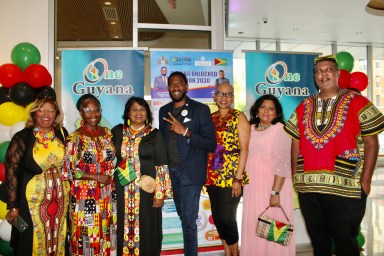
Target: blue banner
[
  {"x": 201, "y": 68},
  {"x": 288, "y": 76},
  {"x": 111, "y": 75}
]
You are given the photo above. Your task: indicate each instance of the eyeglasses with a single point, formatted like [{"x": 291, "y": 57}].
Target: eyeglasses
[
  {"x": 46, "y": 111},
  {"x": 222, "y": 94},
  {"x": 327, "y": 70},
  {"x": 92, "y": 110},
  {"x": 332, "y": 57}
]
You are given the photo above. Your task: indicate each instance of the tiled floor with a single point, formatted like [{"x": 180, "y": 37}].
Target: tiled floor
[{"x": 372, "y": 225}]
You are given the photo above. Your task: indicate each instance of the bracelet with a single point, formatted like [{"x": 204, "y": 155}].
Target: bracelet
[
  {"x": 237, "y": 180},
  {"x": 185, "y": 133}
]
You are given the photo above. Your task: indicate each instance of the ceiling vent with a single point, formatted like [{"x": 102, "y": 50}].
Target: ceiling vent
[{"x": 110, "y": 13}]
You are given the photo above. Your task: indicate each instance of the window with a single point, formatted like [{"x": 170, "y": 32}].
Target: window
[
  {"x": 377, "y": 81},
  {"x": 377, "y": 100}
]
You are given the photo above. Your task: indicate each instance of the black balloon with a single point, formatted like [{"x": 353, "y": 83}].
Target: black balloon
[
  {"x": 4, "y": 95},
  {"x": 22, "y": 94},
  {"x": 46, "y": 91}
]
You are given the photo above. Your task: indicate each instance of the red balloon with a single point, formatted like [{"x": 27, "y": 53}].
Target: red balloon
[
  {"x": 49, "y": 80},
  {"x": 10, "y": 74},
  {"x": 2, "y": 172},
  {"x": 36, "y": 75},
  {"x": 344, "y": 79},
  {"x": 359, "y": 81}
]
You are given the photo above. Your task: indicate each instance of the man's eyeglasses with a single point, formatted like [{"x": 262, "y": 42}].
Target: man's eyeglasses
[
  {"x": 319, "y": 71},
  {"x": 92, "y": 110},
  {"x": 317, "y": 59},
  {"x": 222, "y": 94}
]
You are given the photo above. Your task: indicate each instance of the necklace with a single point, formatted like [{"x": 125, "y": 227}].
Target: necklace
[
  {"x": 43, "y": 138},
  {"x": 89, "y": 131},
  {"x": 263, "y": 127},
  {"x": 137, "y": 129}
]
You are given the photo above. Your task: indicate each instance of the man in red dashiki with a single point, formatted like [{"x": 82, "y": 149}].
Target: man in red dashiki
[{"x": 334, "y": 152}]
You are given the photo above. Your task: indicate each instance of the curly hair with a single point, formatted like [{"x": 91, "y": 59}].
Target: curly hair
[{"x": 40, "y": 101}]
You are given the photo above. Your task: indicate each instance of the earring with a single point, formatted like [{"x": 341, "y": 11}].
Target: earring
[
  {"x": 146, "y": 121},
  {"x": 129, "y": 122},
  {"x": 257, "y": 116}
]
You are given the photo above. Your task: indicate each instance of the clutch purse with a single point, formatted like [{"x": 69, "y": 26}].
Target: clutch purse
[
  {"x": 147, "y": 183},
  {"x": 273, "y": 230}
]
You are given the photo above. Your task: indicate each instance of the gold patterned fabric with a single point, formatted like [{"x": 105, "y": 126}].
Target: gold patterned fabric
[{"x": 48, "y": 199}]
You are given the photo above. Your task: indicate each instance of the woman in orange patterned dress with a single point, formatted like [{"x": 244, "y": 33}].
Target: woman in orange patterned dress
[{"x": 89, "y": 164}]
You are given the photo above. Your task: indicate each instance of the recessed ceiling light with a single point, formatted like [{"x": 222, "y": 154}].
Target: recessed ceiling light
[
  {"x": 113, "y": 23},
  {"x": 359, "y": 33},
  {"x": 107, "y": 3},
  {"x": 116, "y": 37},
  {"x": 295, "y": 29}
]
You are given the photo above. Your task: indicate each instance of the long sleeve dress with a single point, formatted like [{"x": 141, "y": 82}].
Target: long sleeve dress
[
  {"x": 269, "y": 155},
  {"x": 34, "y": 169},
  {"x": 140, "y": 232},
  {"x": 93, "y": 205}
]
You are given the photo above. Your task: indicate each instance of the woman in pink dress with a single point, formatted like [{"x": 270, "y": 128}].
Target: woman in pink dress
[{"x": 269, "y": 170}]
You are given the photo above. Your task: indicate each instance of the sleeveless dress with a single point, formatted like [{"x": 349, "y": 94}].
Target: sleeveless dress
[
  {"x": 93, "y": 205},
  {"x": 269, "y": 155}
]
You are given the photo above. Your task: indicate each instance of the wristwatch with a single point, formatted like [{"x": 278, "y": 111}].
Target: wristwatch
[{"x": 275, "y": 193}]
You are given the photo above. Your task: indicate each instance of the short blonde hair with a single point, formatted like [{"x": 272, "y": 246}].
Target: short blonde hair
[{"x": 40, "y": 101}]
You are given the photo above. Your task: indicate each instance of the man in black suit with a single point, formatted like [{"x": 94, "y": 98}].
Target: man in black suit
[{"x": 189, "y": 134}]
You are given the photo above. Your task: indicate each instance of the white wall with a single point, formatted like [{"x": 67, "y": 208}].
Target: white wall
[{"x": 27, "y": 21}]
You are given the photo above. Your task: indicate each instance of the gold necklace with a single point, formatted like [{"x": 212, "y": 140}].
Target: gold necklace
[{"x": 137, "y": 129}]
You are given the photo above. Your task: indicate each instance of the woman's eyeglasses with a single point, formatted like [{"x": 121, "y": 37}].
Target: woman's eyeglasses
[
  {"x": 224, "y": 94},
  {"x": 92, "y": 110}
]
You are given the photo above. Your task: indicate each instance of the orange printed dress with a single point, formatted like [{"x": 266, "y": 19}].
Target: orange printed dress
[{"x": 93, "y": 205}]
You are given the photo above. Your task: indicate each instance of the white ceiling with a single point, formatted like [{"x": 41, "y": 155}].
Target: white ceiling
[{"x": 298, "y": 22}]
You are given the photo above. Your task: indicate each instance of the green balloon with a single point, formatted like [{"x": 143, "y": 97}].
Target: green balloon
[
  {"x": 25, "y": 54},
  {"x": 3, "y": 150},
  {"x": 5, "y": 248},
  {"x": 360, "y": 240},
  {"x": 345, "y": 61}
]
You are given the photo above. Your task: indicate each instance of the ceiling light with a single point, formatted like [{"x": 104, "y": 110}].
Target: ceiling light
[
  {"x": 107, "y": 3},
  {"x": 359, "y": 33},
  {"x": 116, "y": 37},
  {"x": 113, "y": 23},
  {"x": 295, "y": 29}
]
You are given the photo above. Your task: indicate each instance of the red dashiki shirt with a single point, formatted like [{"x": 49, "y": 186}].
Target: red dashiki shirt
[{"x": 330, "y": 140}]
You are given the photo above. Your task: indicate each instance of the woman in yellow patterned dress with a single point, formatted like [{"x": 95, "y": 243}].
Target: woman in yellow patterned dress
[
  {"x": 89, "y": 164},
  {"x": 226, "y": 174},
  {"x": 36, "y": 192}
]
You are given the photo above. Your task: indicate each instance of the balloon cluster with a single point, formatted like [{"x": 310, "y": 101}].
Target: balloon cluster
[
  {"x": 356, "y": 80},
  {"x": 21, "y": 81}
]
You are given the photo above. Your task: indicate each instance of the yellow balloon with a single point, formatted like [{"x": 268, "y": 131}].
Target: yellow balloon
[
  {"x": 3, "y": 210},
  {"x": 26, "y": 111},
  {"x": 10, "y": 113}
]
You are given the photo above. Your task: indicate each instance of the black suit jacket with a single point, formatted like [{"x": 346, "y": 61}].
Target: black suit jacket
[{"x": 193, "y": 151}]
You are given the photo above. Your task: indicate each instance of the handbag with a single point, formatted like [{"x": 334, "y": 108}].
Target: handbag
[{"x": 273, "y": 230}]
